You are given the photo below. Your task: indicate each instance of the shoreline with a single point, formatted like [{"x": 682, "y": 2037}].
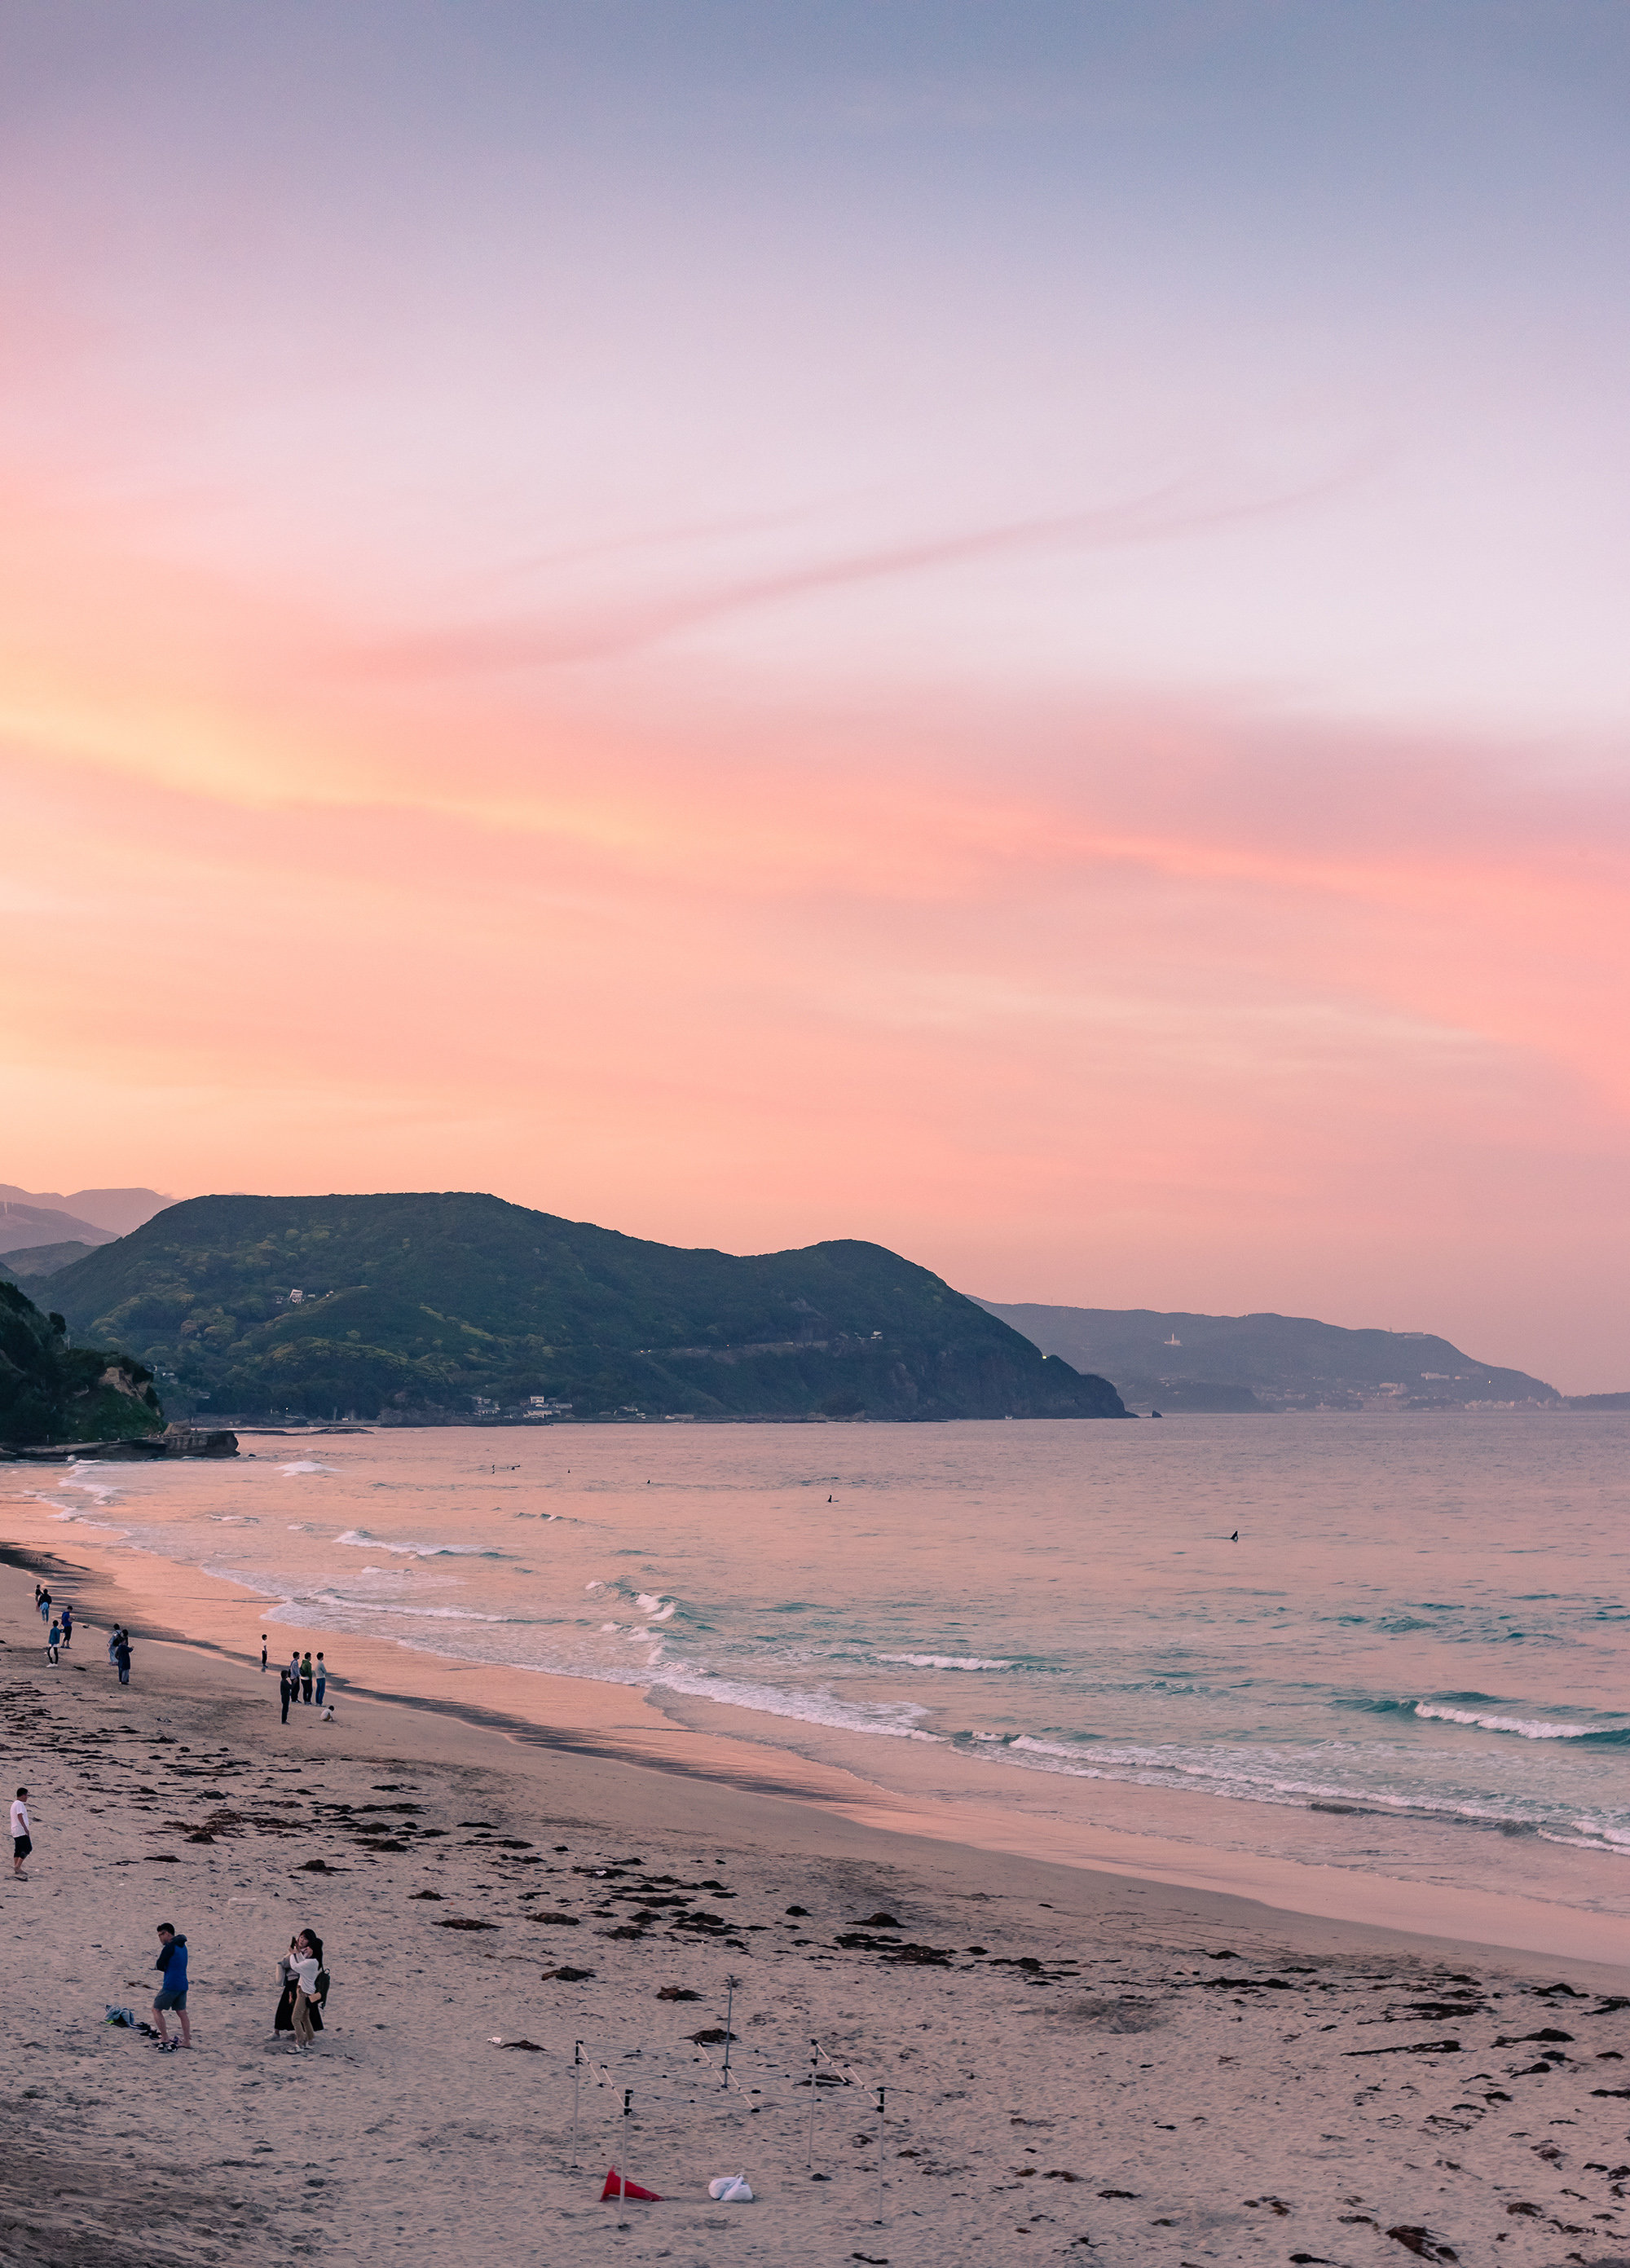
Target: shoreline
[
  {"x": 1157, "y": 1838},
  {"x": 1157, "y": 2073}
]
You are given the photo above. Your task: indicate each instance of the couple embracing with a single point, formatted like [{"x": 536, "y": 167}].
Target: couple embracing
[{"x": 305, "y": 1988}]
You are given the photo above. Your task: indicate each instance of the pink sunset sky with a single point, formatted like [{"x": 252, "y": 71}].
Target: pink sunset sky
[{"x": 999, "y": 630}]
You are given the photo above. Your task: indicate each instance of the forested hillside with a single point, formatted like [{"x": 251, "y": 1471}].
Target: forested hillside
[
  {"x": 50, "y": 1391},
  {"x": 429, "y": 1307}
]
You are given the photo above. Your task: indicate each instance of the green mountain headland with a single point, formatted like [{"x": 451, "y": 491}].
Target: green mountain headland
[
  {"x": 436, "y": 1308},
  {"x": 1183, "y": 1363},
  {"x": 50, "y": 1391}
]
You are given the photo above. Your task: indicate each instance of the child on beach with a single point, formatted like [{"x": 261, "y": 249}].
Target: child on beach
[
  {"x": 53, "y": 1640},
  {"x": 68, "y": 1623},
  {"x": 22, "y": 1841}
]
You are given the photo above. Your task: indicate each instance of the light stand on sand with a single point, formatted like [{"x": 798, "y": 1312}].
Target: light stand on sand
[
  {"x": 628, "y": 2105},
  {"x": 576, "y": 2090},
  {"x": 730, "y": 1994},
  {"x": 881, "y": 2092},
  {"x": 814, "y": 2065}
]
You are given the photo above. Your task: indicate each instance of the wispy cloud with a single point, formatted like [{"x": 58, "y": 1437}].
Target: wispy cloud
[{"x": 565, "y": 633}]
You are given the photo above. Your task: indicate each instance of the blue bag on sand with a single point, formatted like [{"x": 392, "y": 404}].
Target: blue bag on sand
[{"x": 124, "y": 2017}]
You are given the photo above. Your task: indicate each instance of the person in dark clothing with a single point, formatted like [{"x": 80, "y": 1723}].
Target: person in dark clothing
[
  {"x": 121, "y": 1655},
  {"x": 68, "y": 1625},
  {"x": 307, "y": 1675},
  {"x": 262, "y": 1654},
  {"x": 45, "y": 1604},
  {"x": 285, "y": 1691},
  {"x": 172, "y": 1993}
]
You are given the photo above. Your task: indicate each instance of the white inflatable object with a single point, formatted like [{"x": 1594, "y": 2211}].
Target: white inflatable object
[{"x": 730, "y": 2188}]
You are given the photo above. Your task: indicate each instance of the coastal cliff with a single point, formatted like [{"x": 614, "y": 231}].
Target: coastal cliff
[{"x": 50, "y": 1391}]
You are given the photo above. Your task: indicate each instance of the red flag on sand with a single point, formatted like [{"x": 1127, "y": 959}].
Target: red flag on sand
[{"x": 615, "y": 2188}]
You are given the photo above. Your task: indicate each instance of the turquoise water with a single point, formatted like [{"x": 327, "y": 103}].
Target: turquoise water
[{"x": 1426, "y": 1617}]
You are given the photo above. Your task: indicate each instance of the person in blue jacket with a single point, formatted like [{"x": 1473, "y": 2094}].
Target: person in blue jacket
[{"x": 172, "y": 1993}]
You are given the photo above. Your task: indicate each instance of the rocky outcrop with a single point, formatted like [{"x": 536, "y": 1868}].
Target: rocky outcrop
[{"x": 51, "y": 1391}]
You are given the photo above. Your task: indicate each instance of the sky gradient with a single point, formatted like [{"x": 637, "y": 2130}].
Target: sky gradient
[{"x": 999, "y": 629}]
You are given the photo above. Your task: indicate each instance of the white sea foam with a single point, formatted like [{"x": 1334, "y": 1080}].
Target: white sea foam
[
  {"x": 359, "y": 1539},
  {"x": 1531, "y": 1728},
  {"x": 946, "y": 1661},
  {"x": 890, "y": 1720},
  {"x": 417, "y": 1614},
  {"x": 652, "y": 1603},
  {"x": 308, "y": 1465},
  {"x": 104, "y": 1492}
]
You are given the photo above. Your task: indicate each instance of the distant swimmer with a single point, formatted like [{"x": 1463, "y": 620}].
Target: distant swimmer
[{"x": 1234, "y": 1537}]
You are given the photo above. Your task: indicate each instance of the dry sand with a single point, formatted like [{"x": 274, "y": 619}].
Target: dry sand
[{"x": 1077, "y": 2062}]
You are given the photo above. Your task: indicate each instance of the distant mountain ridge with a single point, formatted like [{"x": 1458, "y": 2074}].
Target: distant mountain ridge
[
  {"x": 32, "y": 1264},
  {"x": 437, "y": 1308},
  {"x": 1181, "y": 1363},
  {"x": 35, "y": 1217}
]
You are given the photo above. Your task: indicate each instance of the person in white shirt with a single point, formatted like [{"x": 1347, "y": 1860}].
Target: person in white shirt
[
  {"x": 304, "y": 1963},
  {"x": 22, "y": 1841}
]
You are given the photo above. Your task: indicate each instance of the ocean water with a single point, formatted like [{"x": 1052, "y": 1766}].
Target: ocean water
[{"x": 1426, "y": 1618}]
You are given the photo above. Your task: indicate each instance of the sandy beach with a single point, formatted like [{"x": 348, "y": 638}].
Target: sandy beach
[{"x": 1076, "y": 2060}]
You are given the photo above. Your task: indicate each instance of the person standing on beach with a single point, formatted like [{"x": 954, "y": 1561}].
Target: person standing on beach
[
  {"x": 45, "y": 1604},
  {"x": 123, "y": 1657},
  {"x": 54, "y": 1638},
  {"x": 172, "y": 1993},
  {"x": 22, "y": 1841},
  {"x": 68, "y": 1623},
  {"x": 294, "y": 1670},
  {"x": 114, "y": 1636},
  {"x": 322, "y": 1679},
  {"x": 285, "y": 1691},
  {"x": 304, "y": 1963},
  {"x": 306, "y": 1677},
  {"x": 262, "y": 1654}
]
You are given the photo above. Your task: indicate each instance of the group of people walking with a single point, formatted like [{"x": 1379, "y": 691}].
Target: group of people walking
[
  {"x": 59, "y": 1627},
  {"x": 60, "y": 1633},
  {"x": 302, "y": 1680}
]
